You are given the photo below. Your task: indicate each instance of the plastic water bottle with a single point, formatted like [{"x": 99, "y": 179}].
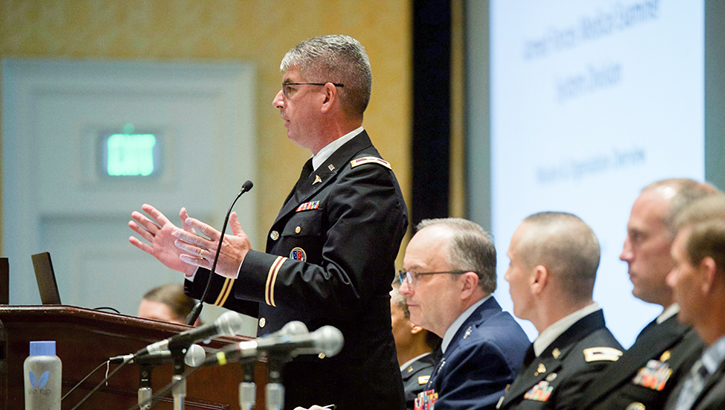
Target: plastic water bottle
[{"x": 43, "y": 371}]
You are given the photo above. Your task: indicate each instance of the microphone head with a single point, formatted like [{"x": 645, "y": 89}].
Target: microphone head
[
  {"x": 329, "y": 340},
  {"x": 195, "y": 355},
  {"x": 229, "y": 324},
  {"x": 246, "y": 186},
  {"x": 294, "y": 327}
]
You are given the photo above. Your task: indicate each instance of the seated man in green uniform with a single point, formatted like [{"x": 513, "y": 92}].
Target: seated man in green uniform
[{"x": 554, "y": 260}]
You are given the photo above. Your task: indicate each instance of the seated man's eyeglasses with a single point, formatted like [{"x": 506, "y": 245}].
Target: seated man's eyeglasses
[{"x": 412, "y": 277}]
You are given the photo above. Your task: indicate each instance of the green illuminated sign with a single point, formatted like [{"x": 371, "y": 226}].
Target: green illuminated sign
[{"x": 130, "y": 154}]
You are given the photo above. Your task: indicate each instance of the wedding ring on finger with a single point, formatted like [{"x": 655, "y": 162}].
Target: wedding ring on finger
[{"x": 201, "y": 253}]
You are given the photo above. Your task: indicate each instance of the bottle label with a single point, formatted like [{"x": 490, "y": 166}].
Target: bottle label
[{"x": 39, "y": 383}]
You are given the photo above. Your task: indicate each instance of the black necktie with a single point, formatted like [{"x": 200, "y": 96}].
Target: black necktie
[
  {"x": 529, "y": 356},
  {"x": 306, "y": 171}
]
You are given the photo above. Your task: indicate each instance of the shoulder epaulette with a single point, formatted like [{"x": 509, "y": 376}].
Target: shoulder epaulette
[
  {"x": 596, "y": 354},
  {"x": 369, "y": 160}
]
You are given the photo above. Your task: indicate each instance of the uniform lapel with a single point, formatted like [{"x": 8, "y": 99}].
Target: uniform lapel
[
  {"x": 480, "y": 315},
  {"x": 539, "y": 369},
  {"x": 324, "y": 174},
  {"x": 651, "y": 342},
  {"x": 550, "y": 360}
]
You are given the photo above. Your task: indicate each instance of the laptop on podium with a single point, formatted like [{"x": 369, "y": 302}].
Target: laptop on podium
[{"x": 45, "y": 275}]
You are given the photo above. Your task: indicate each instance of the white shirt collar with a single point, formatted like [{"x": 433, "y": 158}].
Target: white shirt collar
[
  {"x": 329, "y": 149},
  {"x": 668, "y": 313},
  {"x": 409, "y": 362},
  {"x": 453, "y": 328},
  {"x": 550, "y": 334}
]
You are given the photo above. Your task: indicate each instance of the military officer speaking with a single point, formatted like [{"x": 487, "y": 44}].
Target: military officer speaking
[{"x": 331, "y": 251}]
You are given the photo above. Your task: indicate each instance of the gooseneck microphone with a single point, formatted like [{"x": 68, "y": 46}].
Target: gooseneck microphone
[
  {"x": 228, "y": 324},
  {"x": 194, "y": 357},
  {"x": 246, "y": 186},
  {"x": 327, "y": 340}
]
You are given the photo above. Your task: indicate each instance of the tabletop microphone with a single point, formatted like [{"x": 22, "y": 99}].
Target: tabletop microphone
[
  {"x": 228, "y": 324},
  {"x": 196, "y": 310},
  {"x": 294, "y": 327},
  {"x": 194, "y": 357},
  {"x": 327, "y": 340}
]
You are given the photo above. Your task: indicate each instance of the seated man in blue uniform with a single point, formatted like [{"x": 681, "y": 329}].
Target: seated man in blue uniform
[
  {"x": 665, "y": 349},
  {"x": 698, "y": 284},
  {"x": 330, "y": 254},
  {"x": 416, "y": 347},
  {"x": 554, "y": 259},
  {"x": 448, "y": 277}
]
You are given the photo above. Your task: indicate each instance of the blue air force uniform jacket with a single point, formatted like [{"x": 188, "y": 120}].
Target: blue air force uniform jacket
[
  {"x": 646, "y": 374},
  {"x": 329, "y": 261},
  {"x": 547, "y": 382},
  {"x": 482, "y": 359}
]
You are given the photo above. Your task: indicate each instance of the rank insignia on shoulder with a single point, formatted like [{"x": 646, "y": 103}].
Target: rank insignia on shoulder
[
  {"x": 423, "y": 380},
  {"x": 540, "y": 392},
  {"x": 298, "y": 254},
  {"x": 369, "y": 160},
  {"x": 307, "y": 206},
  {"x": 653, "y": 376},
  {"x": 597, "y": 354}
]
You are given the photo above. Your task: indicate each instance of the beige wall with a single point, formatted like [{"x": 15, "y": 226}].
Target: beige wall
[{"x": 258, "y": 31}]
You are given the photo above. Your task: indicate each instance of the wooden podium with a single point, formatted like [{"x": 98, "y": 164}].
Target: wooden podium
[{"x": 86, "y": 338}]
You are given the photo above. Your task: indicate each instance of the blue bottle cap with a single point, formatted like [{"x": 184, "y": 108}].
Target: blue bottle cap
[{"x": 42, "y": 348}]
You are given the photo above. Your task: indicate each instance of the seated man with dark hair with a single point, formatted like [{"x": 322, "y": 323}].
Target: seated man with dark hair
[{"x": 698, "y": 284}]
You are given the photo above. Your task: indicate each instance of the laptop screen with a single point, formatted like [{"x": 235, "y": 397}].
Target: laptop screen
[{"x": 45, "y": 275}]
